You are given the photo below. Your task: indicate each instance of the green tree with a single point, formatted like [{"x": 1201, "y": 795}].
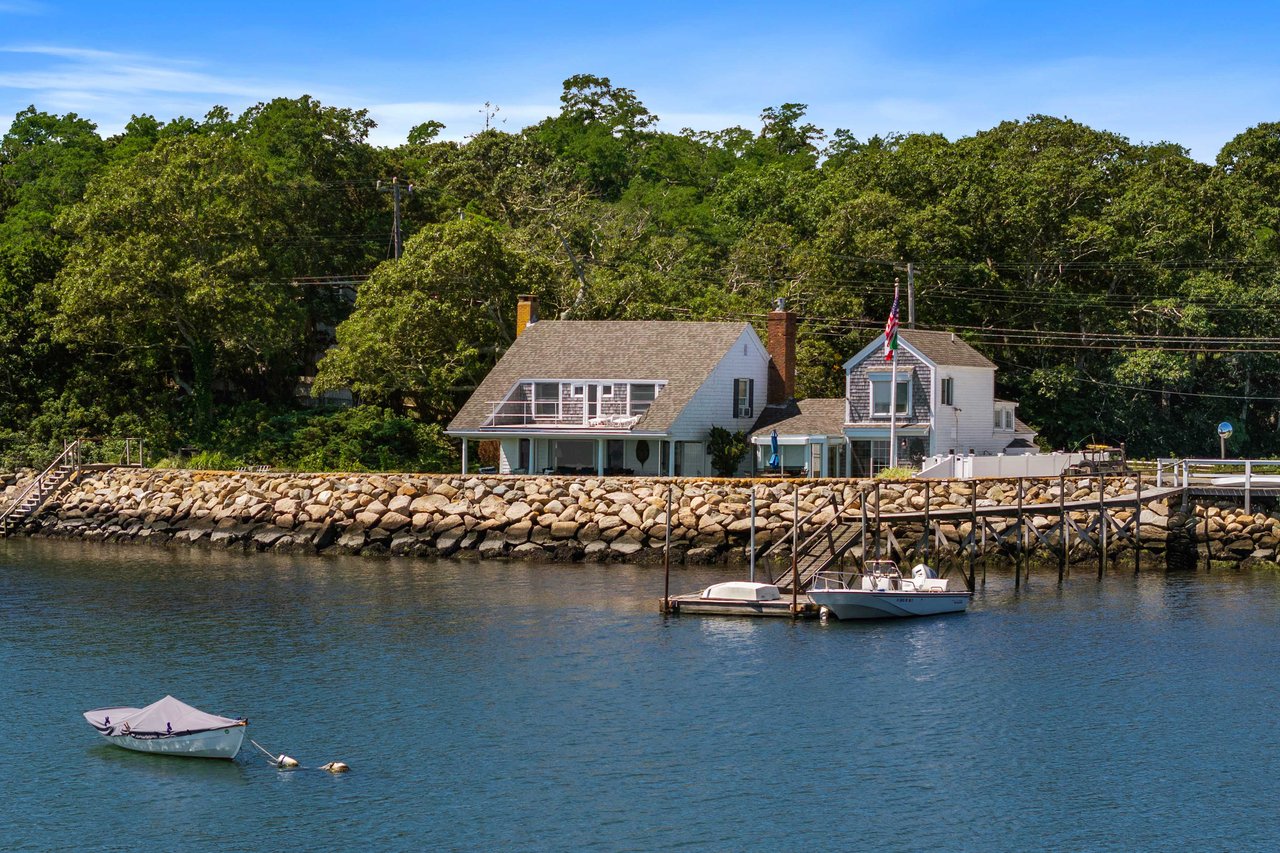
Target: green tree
[
  {"x": 428, "y": 327},
  {"x": 726, "y": 450},
  {"x": 171, "y": 257}
]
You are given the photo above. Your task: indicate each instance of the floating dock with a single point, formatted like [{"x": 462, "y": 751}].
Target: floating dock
[{"x": 694, "y": 603}]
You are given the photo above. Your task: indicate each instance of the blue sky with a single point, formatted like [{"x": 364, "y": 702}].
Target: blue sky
[{"x": 1195, "y": 74}]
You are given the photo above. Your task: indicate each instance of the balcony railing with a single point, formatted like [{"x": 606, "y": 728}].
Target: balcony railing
[{"x": 553, "y": 413}]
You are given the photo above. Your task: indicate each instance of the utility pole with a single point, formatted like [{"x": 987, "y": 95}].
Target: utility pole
[
  {"x": 397, "y": 238},
  {"x": 911, "y": 296}
]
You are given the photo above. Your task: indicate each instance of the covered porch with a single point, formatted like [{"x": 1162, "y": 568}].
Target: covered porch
[
  {"x": 594, "y": 455},
  {"x": 869, "y": 448},
  {"x": 809, "y": 437},
  {"x": 800, "y": 456}
]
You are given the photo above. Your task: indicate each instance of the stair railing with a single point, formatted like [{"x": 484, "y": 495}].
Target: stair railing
[{"x": 70, "y": 455}]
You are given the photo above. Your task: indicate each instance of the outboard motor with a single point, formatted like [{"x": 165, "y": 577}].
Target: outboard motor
[{"x": 923, "y": 572}]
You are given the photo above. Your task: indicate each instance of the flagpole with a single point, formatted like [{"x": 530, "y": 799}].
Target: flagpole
[
  {"x": 893, "y": 410},
  {"x": 893, "y": 382}
]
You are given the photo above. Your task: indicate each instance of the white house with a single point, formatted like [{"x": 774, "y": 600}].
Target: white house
[
  {"x": 624, "y": 397},
  {"x": 946, "y": 405}
]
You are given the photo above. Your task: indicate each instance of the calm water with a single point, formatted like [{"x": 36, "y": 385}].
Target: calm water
[{"x": 497, "y": 706}]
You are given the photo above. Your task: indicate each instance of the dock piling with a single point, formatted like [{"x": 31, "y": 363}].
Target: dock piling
[
  {"x": 1062, "y": 525},
  {"x": 1137, "y": 525},
  {"x": 1102, "y": 525},
  {"x": 666, "y": 559}
]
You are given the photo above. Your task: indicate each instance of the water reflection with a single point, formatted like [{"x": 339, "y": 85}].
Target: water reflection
[{"x": 502, "y": 706}]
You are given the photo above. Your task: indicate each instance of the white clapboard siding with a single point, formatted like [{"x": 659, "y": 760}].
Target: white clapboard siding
[{"x": 712, "y": 404}]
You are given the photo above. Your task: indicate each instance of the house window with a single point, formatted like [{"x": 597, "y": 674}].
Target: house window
[
  {"x": 743, "y": 397},
  {"x": 642, "y": 398},
  {"x": 1008, "y": 419},
  {"x": 546, "y": 399},
  {"x": 577, "y": 391},
  {"x": 948, "y": 392},
  {"x": 606, "y": 392},
  {"x": 879, "y": 456},
  {"x": 880, "y": 396},
  {"x": 999, "y": 417}
]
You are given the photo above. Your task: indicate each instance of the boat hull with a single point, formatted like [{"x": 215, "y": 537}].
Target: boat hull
[
  {"x": 871, "y": 604},
  {"x": 219, "y": 743}
]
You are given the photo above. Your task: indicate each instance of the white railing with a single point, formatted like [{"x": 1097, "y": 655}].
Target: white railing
[
  {"x": 1225, "y": 473},
  {"x": 505, "y": 413}
]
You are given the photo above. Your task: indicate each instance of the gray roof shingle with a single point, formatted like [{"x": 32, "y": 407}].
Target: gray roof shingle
[
  {"x": 679, "y": 352},
  {"x": 944, "y": 348},
  {"x": 814, "y": 416}
]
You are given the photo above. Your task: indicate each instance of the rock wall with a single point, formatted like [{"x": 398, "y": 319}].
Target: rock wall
[{"x": 558, "y": 518}]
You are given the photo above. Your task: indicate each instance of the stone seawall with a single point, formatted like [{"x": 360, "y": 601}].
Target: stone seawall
[{"x": 558, "y": 518}]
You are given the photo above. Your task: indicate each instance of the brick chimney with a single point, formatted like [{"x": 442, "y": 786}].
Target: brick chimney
[
  {"x": 526, "y": 312},
  {"x": 780, "y": 341}
]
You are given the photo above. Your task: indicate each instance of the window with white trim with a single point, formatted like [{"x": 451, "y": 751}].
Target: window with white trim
[
  {"x": 546, "y": 399},
  {"x": 642, "y": 396},
  {"x": 948, "y": 391},
  {"x": 881, "y": 394},
  {"x": 743, "y": 398}
]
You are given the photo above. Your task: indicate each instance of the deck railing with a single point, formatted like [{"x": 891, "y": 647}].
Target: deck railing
[{"x": 553, "y": 413}]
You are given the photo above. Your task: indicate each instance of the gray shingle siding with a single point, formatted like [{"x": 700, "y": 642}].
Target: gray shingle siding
[{"x": 859, "y": 388}]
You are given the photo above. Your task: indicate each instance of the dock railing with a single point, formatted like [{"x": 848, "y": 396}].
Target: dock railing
[{"x": 1229, "y": 476}]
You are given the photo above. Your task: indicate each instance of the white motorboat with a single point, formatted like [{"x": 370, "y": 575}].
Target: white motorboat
[
  {"x": 170, "y": 727},
  {"x": 880, "y": 591}
]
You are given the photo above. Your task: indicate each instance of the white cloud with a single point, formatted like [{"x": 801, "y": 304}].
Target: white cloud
[
  {"x": 22, "y": 7},
  {"x": 109, "y": 86}
]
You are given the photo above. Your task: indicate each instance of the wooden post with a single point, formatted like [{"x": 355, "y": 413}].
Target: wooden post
[
  {"x": 1248, "y": 487},
  {"x": 863, "y": 501},
  {"x": 1017, "y": 564},
  {"x": 877, "y": 534},
  {"x": 1062, "y": 524},
  {"x": 973, "y": 530},
  {"x": 1102, "y": 525},
  {"x": 928, "y": 494},
  {"x": 1137, "y": 525},
  {"x": 795, "y": 561},
  {"x": 666, "y": 559}
]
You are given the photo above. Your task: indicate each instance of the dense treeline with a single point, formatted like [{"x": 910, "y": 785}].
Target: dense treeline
[{"x": 172, "y": 281}]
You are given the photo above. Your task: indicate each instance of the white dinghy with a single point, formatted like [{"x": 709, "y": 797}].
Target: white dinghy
[
  {"x": 880, "y": 591},
  {"x": 170, "y": 727}
]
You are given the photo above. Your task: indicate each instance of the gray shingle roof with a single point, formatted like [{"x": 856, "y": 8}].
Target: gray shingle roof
[
  {"x": 681, "y": 353},
  {"x": 814, "y": 416},
  {"x": 944, "y": 348}
]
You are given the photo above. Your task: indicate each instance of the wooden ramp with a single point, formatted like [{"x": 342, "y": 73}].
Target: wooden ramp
[
  {"x": 873, "y": 532},
  {"x": 43, "y": 487}
]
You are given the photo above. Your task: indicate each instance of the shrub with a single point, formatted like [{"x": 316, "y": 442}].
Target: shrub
[{"x": 726, "y": 450}]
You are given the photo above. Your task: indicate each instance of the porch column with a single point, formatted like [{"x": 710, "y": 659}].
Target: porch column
[
  {"x": 671, "y": 458},
  {"x": 599, "y": 457},
  {"x": 465, "y": 442},
  {"x": 848, "y": 457}
]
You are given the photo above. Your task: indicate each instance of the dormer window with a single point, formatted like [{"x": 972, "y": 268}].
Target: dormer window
[
  {"x": 642, "y": 396},
  {"x": 546, "y": 399},
  {"x": 881, "y": 395}
]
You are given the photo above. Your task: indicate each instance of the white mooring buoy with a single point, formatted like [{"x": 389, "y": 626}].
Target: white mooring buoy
[{"x": 335, "y": 767}]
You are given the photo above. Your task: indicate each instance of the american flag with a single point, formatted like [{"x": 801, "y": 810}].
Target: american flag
[{"x": 891, "y": 328}]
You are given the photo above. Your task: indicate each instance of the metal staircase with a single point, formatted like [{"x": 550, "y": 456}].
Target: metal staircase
[
  {"x": 821, "y": 548},
  {"x": 37, "y": 493}
]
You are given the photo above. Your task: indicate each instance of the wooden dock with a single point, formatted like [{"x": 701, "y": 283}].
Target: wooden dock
[{"x": 693, "y": 603}]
